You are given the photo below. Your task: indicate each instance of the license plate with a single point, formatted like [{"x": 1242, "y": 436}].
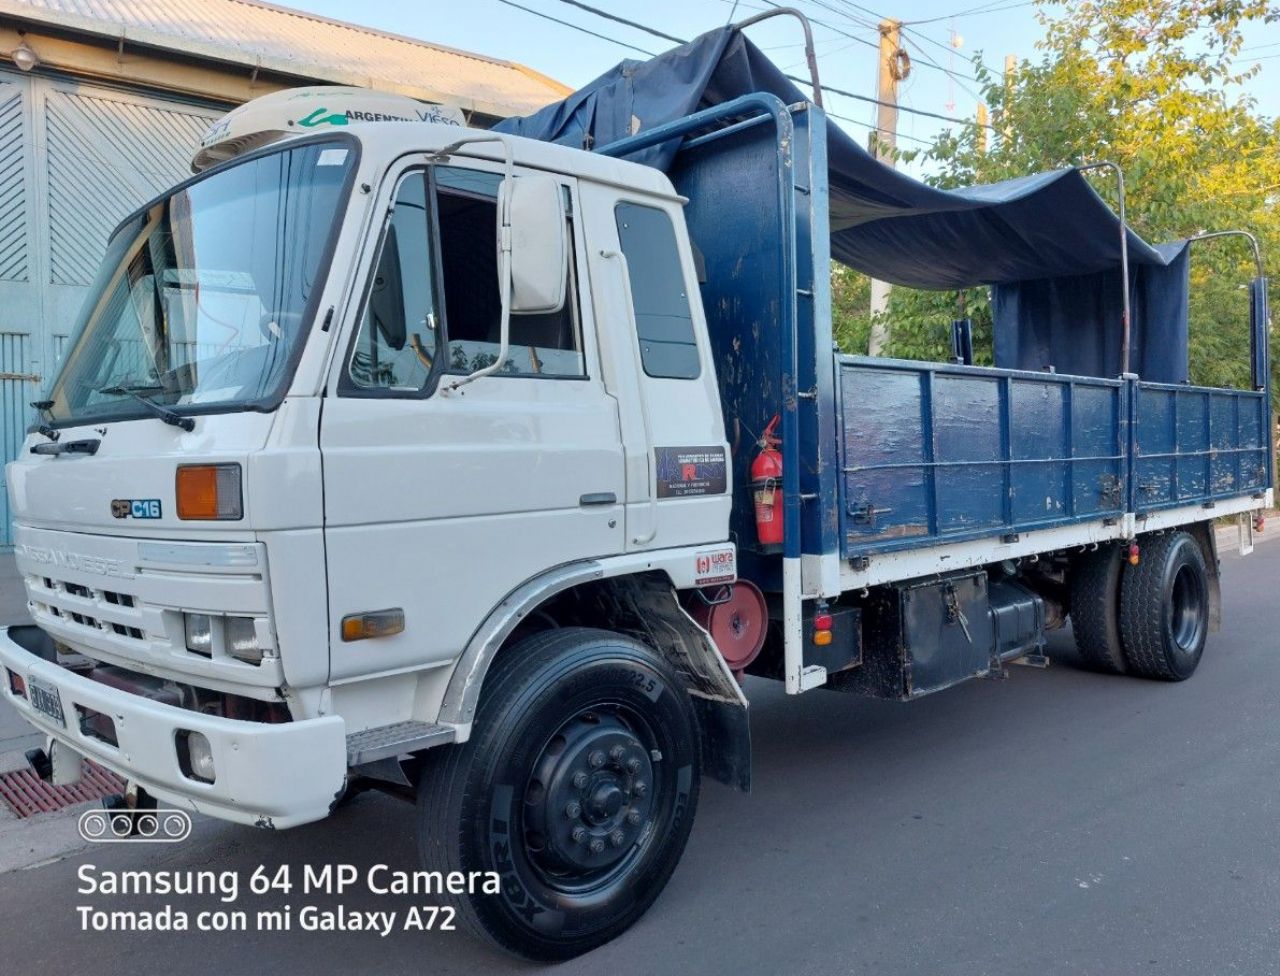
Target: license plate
[{"x": 46, "y": 699}]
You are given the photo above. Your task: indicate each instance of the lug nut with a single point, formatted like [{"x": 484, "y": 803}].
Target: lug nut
[
  {"x": 617, "y": 752},
  {"x": 597, "y": 759},
  {"x": 579, "y": 833},
  {"x": 639, "y": 789},
  {"x": 616, "y": 838},
  {"x": 633, "y": 765},
  {"x": 597, "y": 846},
  {"x": 633, "y": 817},
  {"x": 580, "y": 780},
  {"x": 573, "y": 809}
]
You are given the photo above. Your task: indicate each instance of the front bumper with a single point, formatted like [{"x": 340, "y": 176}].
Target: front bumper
[{"x": 266, "y": 775}]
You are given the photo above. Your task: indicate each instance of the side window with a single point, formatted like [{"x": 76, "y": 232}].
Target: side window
[
  {"x": 398, "y": 338},
  {"x": 541, "y": 345},
  {"x": 668, "y": 348}
]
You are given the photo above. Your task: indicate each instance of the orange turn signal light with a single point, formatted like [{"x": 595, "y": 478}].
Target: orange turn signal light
[
  {"x": 822, "y": 637},
  {"x": 375, "y": 623},
  {"x": 209, "y": 491}
]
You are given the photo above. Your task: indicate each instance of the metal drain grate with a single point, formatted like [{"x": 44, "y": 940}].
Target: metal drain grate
[{"x": 27, "y": 794}]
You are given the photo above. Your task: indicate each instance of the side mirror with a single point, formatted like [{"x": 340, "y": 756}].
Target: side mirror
[
  {"x": 539, "y": 251},
  {"x": 533, "y": 256}
]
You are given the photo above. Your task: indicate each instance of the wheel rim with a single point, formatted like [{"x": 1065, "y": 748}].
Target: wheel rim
[
  {"x": 1187, "y": 609},
  {"x": 591, "y": 798}
]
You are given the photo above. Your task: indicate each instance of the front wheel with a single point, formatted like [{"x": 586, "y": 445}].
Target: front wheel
[
  {"x": 1164, "y": 608},
  {"x": 578, "y": 788}
]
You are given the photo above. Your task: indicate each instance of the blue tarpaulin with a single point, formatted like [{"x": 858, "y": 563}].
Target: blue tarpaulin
[{"x": 1047, "y": 243}]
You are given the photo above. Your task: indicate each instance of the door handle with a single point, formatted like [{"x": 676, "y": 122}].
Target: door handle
[
  {"x": 88, "y": 446},
  {"x": 598, "y": 498}
]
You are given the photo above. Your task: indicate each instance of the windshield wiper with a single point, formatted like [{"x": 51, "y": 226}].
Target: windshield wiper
[{"x": 159, "y": 411}]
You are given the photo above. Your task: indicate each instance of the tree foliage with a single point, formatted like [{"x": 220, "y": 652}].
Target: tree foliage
[{"x": 1154, "y": 85}]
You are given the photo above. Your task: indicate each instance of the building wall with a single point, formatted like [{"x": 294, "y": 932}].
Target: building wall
[{"x": 74, "y": 159}]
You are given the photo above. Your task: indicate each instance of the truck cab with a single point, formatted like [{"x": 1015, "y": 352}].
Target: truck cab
[{"x": 317, "y": 426}]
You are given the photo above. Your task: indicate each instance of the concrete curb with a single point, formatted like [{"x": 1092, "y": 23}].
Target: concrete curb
[{"x": 30, "y": 842}]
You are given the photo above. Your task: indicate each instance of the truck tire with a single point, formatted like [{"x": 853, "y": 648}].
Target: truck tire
[
  {"x": 578, "y": 787},
  {"x": 1164, "y": 608},
  {"x": 1095, "y": 608}
]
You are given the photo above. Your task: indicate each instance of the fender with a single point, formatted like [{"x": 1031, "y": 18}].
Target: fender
[{"x": 682, "y": 567}]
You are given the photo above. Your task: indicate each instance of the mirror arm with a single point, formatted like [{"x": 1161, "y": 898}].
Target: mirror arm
[{"x": 504, "y": 254}]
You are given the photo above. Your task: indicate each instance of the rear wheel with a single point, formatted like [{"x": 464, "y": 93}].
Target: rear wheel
[
  {"x": 578, "y": 787},
  {"x": 1095, "y": 608},
  {"x": 1164, "y": 608}
]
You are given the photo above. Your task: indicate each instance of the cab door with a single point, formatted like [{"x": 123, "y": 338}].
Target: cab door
[
  {"x": 438, "y": 501},
  {"x": 659, "y": 366}
]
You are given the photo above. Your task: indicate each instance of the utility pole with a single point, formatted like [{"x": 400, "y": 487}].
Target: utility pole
[
  {"x": 982, "y": 128},
  {"x": 894, "y": 67}
]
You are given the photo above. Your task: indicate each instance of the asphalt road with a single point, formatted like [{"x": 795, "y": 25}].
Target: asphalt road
[{"x": 1056, "y": 822}]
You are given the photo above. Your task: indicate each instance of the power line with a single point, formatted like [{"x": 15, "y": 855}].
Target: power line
[
  {"x": 621, "y": 20},
  {"x": 955, "y": 75},
  {"x": 937, "y": 43},
  {"x": 769, "y": 4},
  {"x": 989, "y": 8},
  {"x": 565, "y": 23},
  {"x": 906, "y": 26},
  {"x": 928, "y": 62},
  {"x": 804, "y": 81},
  {"x": 876, "y": 128},
  {"x": 841, "y": 12}
]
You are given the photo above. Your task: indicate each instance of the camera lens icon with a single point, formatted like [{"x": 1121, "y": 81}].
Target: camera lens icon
[
  {"x": 160, "y": 826},
  {"x": 93, "y": 824}
]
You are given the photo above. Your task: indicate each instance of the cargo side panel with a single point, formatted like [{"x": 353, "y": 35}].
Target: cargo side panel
[
  {"x": 1197, "y": 445},
  {"x": 938, "y": 453}
]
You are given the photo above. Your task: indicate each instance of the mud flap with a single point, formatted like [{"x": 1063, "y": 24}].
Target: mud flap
[{"x": 726, "y": 741}]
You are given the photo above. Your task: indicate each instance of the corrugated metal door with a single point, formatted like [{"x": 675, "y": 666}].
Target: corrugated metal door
[
  {"x": 74, "y": 159},
  {"x": 21, "y": 335}
]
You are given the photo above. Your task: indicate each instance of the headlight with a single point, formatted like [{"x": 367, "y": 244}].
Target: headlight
[
  {"x": 199, "y": 630},
  {"x": 242, "y": 640}
]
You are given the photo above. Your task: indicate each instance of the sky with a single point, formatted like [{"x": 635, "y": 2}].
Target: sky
[{"x": 845, "y": 40}]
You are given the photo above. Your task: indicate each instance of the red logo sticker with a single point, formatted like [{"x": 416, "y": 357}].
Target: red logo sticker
[{"x": 715, "y": 567}]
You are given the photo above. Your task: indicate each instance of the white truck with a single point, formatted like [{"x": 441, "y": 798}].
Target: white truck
[{"x": 397, "y": 455}]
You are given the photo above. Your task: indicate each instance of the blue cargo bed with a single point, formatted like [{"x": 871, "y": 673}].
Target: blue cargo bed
[
  {"x": 947, "y": 453},
  {"x": 885, "y": 456},
  {"x": 936, "y": 453}
]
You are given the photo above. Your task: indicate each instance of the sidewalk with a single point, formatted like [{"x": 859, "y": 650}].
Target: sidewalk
[
  {"x": 24, "y": 842},
  {"x": 16, "y": 736},
  {"x": 13, "y": 601}
]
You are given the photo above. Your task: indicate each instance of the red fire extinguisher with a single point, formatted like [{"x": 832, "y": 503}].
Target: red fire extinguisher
[{"x": 766, "y": 487}]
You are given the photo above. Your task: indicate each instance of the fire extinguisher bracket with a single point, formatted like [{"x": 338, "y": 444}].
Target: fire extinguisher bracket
[{"x": 766, "y": 489}]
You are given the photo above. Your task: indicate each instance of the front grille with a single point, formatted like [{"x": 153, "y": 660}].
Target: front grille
[{"x": 105, "y": 611}]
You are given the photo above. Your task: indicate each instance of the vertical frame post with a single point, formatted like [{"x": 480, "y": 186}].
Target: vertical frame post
[{"x": 1126, "y": 322}]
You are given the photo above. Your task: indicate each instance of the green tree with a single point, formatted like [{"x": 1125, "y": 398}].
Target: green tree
[{"x": 1154, "y": 86}]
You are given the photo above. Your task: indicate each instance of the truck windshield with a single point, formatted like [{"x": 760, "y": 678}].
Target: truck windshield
[{"x": 204, "y": 297}]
